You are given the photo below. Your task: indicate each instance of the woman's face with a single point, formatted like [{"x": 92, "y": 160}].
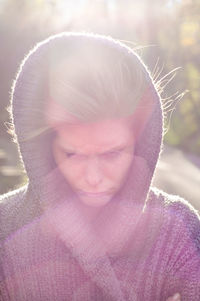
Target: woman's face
[{"x": 94, "y": 158}]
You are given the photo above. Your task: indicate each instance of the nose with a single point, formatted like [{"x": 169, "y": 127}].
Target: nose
[{"x": 93, "y": 173}]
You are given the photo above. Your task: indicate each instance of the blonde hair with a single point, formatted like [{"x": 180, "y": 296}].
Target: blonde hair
[{"x": 95, "y": 78}]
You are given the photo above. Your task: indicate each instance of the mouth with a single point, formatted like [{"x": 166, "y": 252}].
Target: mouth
[{"x": 92, "y": 194}]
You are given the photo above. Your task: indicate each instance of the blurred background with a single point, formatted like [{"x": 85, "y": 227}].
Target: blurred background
[{"x": 166, "y": 34}]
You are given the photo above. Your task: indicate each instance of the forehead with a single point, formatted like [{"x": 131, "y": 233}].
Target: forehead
[{"x": 95, "y": 136}]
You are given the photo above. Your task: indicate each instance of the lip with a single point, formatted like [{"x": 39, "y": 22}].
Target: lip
[{"x": 94, "y": 194}]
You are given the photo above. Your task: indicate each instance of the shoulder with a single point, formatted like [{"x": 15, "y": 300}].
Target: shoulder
[
  {"x": 11, "y": 205},
  {"x": 11, "y": 202},
  {"x": 17, "y": 208},
  {"x": 177, "y": 213},
  {"x": 173, "y": 203},
  {"x": 12, "y": 196}
]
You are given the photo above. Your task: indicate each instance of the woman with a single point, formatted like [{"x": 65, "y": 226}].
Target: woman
[{"x": 89, "y": 225}]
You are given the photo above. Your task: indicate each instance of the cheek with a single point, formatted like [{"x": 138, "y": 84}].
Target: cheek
[
  {"x": 117, "y": 170},
  {"x": 71, "y": 171},
  {"x": 124, "y": 166}
]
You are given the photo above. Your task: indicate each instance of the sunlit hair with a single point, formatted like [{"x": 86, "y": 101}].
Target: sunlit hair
[{"x": 94, "y": 79}]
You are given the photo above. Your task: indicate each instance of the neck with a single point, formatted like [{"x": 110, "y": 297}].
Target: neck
[{"x": 89, "y": 212}]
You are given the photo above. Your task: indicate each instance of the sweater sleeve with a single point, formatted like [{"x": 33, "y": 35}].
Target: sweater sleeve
[{"x": 183, "y": 264}]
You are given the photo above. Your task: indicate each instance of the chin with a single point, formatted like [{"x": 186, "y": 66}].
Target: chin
[{"x": 95, "y": 202}]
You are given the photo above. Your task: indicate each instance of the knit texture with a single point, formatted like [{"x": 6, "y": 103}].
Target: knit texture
[{"x": 144, "y": 244}]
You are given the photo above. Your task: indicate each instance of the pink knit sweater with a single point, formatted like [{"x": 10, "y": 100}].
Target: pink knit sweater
[{"x": 144, "y": 244}]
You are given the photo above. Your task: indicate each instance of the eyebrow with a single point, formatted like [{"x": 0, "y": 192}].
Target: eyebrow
[{"x": 115, "y": 148}]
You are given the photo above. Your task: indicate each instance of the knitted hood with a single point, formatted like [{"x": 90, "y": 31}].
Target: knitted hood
[{"x": 115, "y": 225}]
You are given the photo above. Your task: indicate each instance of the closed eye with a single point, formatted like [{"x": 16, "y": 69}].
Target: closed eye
[
  {"x": 107, "y": 155},
  {"x": 77, "y": 156},
  {"x": 69, "y": 155},
  {"x": 111, "y": 155}
]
